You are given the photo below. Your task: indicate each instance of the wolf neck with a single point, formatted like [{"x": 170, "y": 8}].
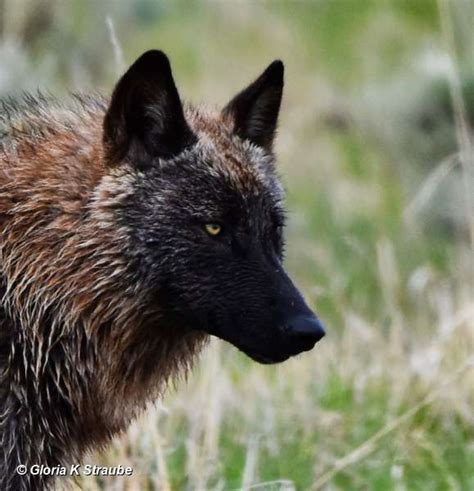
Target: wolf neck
[
  {"x": 81, "y": 349},
  {"x": 68, "y": 387}
]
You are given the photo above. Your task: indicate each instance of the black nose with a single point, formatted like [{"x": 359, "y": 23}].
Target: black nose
[{"x": 306, "y": 331}]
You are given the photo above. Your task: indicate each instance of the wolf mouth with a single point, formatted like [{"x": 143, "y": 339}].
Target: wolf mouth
[{"x": 267, "y": 360}]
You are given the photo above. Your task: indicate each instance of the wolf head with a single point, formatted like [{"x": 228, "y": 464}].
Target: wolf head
[{"x": 205, "y": 217}]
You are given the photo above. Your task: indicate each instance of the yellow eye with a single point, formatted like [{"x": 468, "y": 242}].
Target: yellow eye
[{"x": 213, "y": 229}]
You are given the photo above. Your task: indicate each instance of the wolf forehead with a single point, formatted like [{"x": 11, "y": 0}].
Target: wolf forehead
[{"x": 237, "y": 164}]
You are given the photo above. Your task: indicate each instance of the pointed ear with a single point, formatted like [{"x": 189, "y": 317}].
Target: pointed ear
[
  {"x": 145, "y": 118},
  {"x": 254, "y": 111}
]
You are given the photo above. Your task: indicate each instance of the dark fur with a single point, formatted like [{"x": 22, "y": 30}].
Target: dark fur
[{"x": 109, "y": 283}]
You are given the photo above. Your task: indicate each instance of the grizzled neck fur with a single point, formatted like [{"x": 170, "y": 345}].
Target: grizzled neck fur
[{"x": 76, "y": 358}]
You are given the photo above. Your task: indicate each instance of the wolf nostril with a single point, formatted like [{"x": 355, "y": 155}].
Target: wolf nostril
[{"x": 308, "y": 328}]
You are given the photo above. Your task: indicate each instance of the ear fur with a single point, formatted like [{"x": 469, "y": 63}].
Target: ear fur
[
  {"x": 145, "y": 118},
  {"x": 254, "y": 111}
]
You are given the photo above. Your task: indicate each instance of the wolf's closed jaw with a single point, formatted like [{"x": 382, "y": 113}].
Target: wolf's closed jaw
[
  {"x": 300, "y": 334},
  {"x": 272, "y": 322}
]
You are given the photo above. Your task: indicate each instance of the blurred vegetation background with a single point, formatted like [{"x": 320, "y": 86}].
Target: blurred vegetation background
[{"x": 375, "y": 149}]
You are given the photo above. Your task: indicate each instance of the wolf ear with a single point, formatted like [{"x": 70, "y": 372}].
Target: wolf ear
[
  {"x": 254, "y": 111},
  {"x": 145, "y": 118}
]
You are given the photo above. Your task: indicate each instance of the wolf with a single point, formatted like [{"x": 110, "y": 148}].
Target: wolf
[{"x": 132, "y": 229}]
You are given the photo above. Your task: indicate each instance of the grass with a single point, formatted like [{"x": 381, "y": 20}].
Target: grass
[{"x": 386, "y": 400}]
